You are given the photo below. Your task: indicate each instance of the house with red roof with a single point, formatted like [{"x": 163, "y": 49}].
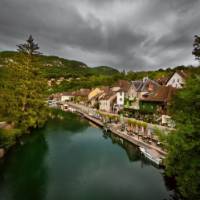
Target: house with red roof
[{"x": 158, "y": 101}]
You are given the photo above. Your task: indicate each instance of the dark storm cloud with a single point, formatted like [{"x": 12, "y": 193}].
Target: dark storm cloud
[{"x": 130, "y": 34}]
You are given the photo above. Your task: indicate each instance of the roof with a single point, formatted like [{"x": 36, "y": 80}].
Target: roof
[
  {"x": 105, "y": 88},
  {"x": 149, "y": 85},
  {"x": 137, "y": 84},
  {"x": 146, "y": 85},
  {"x": 107, "y": 95},
  {"x": 163, "y": 94},
  {"x": 94, "y": 92},
  {"x": 162, "y": 80},
  {"x": 81, "y": 92},
  {"x": 180, "y": 73},
  {"x": 96, "y": 97},
  {"x": 123, "y": 84},
  {"x": 66, "y": 94}
]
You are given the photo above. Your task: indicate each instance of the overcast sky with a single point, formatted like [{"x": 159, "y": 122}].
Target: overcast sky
[{"x": 125, "y": 34}]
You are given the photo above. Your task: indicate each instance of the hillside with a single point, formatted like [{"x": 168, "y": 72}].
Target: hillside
[
  {"x": 104, "y": 70},
  {"x": 56, "y": 67},
  {"x": 66, "y": 75}
]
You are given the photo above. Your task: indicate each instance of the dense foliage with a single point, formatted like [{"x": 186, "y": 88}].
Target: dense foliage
[
  {"x": 22, "y": 97},
  {"x": 55, "y": 67},
  {"x": 76, "y": 75},
  {"x": 183, "y": 144},
  {"x": 87, "y": 82}
]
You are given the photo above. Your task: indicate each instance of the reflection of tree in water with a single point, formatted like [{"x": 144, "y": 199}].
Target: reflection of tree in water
[
  {"x": 170, "y": 183},
  {"x": 24, "y": 170},
  {"x": 131, "y": 150},
  {"x": 67, "y": 121}
]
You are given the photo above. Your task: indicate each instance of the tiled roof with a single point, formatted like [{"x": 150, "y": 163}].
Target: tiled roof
[
  {"x": 67, "y": 94},
  {"x": 163, "y": 94},
  {"x": 123, "y": 84},
  {"x": 162, "y": 80},
  {"x": 81, "y": 92},
  {"x": 149, "y": 84},
  {"x": 105, "y": 88},
  {"x": 137, "y": 84},
  {"x": 182, "y": 74},
  {"x": 146, "y": 85},
  {"x": 96, "y": 97},
  {"x": 107, "y": 95}
]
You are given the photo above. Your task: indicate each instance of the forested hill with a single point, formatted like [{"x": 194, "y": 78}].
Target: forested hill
[
  {"x": 56, "y": 67},
  {"x": 104, "y": 70},
  {"x": 66, "y": 75}
]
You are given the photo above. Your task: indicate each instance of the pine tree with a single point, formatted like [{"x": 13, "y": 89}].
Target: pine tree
[
  {"x": 196, "y": 45},
  {"x": 29, "y": 47}
]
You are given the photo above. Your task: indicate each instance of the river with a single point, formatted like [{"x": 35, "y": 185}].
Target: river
[{"x": 73, "y": 159}]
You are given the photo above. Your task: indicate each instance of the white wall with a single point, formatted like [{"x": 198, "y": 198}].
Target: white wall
[
  {"x": 65, "y": 98},
  {"x": 176, "y": 81},
  {"x": 120, "y": 98}
]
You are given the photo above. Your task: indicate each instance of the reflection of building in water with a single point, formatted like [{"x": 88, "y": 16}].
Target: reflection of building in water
[{"x": 132, "y": 151}]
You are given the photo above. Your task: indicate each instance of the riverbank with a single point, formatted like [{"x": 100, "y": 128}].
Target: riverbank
[
  {"x": 137, "y": 140},
  {"x": 11, "y": 135}
]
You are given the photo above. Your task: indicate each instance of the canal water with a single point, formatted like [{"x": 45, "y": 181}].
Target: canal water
[{"x": 72, "y": 159}]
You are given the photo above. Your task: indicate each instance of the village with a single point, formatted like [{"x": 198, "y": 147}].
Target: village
[{"x": 135, "y": 110}]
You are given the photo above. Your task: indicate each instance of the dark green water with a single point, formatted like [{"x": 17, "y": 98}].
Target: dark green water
[{"x": 69, "y": 159}]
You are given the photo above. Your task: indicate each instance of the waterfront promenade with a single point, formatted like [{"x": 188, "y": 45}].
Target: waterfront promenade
[{"x": 156, "y": 150}]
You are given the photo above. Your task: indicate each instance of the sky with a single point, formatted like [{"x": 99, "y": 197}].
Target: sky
[{"x": 125, "y": 34}]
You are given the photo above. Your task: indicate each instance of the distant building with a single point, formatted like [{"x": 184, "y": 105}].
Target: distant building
[
  {"x": 177, "y": 79},
  {"x": 81, "y": 95},
  {"x": 107, "y": 101},
  {"x": 66, "y": 96},
  {"x": 137, "y": 90},
  {"x": 121, "y": 89},
  {"x": 94, "y": 93}
]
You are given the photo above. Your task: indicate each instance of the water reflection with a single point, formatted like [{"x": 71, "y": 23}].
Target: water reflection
[
  {"x": 70, "y": 122},
  {"x": 134, "y": 154},
  {"x": 132, "y": 151},
  {"x": 69, "y": 159},
  {"x": 24, "y": 174}
]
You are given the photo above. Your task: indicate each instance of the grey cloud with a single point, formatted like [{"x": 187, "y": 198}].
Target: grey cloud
[{"x": 135, "y": 35}]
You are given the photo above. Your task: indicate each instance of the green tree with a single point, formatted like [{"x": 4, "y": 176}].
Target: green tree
[
  {"x": 196, "y": 45},
  {"x": 29, "y": 47},
  {"x": 183, "y": 145},
  {"x": 23, "y": 92}
]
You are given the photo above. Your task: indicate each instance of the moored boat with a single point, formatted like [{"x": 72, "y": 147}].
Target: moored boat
[{"x": 148, "y": 154}]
